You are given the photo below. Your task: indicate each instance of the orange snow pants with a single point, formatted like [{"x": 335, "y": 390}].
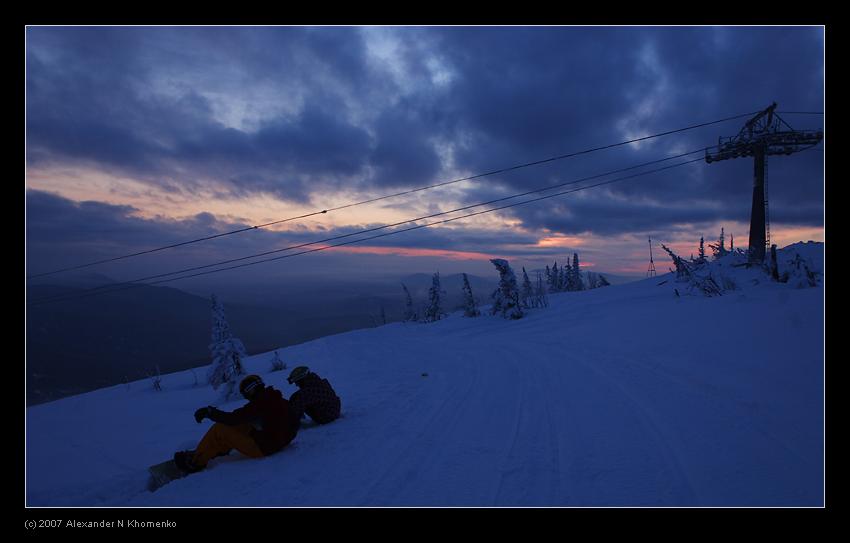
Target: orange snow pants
[{"x": 221, "y": 439}]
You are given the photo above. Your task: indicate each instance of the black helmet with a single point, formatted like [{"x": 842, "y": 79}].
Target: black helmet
[
  {"x": 297, "y": 374},
  {"x": 249, "y": 384}
]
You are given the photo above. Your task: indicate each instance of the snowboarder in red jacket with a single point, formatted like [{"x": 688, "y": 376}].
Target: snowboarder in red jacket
[
  {"x": 315, "y": 397},
  {"x": 261, "y": 427}
]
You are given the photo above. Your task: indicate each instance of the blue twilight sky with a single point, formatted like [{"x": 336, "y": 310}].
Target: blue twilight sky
[{"x": 139, "y": 137}]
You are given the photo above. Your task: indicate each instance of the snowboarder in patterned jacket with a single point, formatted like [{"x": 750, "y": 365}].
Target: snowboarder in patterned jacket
[
  {"x": 261, "y": 427},
  {"x": 314, "y": 397}
]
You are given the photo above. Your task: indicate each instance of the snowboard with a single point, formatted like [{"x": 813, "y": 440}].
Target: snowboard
[{"x": 163, "y": 473}]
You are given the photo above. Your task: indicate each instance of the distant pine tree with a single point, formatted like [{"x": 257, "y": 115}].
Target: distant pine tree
[
  {"x": 409, "y": 312},
  {"x": 434, "y": 310},
  {"x": 506, "y": 297},
  {"x": 701, "y": 249},
  {"x": 575, "y": 274},
  {"x": 227, "y": 354},
  {"x": 719, "y": 249},
  {"x": 470, "y": 309},
  {"x": 564, "y": 281}
]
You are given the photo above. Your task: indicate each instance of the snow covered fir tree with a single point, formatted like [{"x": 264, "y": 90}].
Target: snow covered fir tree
[
  {"x": 434, "y": 310},
  {"x": 569, "y": 277},
  {"x": 574, "y": 282},
  {"x": 506, "y": 297},
  {"x": 526, "y": 294},
  {"x": 277, "y": 363},
  {"x": 226, "y": 369},
  {"x": 470, "y": 308}
]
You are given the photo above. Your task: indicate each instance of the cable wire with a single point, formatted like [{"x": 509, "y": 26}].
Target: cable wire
[
  {"x": 365, "y": 231},
  {"x": 372, "y": 200},
  {"x": 323, "y": 248}
]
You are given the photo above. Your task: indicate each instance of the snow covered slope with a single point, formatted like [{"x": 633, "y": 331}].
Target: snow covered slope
[{"x": 626, "y": 395}]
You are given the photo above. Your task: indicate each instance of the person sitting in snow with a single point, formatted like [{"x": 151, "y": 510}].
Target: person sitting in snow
[
  {"x": 314, "y": 397},
  {"x": 261, "y": 427}
]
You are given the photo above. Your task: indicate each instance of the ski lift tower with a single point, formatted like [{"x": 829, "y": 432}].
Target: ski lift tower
[{"x": 761, "y": 136}]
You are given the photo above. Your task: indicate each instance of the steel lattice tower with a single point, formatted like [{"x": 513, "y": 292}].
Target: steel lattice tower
[
  {"x": 761, "y": 137},
  {"x": 651, "y": 271}
]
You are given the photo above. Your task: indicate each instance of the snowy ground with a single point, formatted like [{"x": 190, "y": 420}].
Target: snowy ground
[{"x": 626, "y": 395}]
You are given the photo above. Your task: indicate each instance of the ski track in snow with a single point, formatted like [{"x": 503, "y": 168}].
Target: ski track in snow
[
  {"x": 427, "y": 448},
  {"x": 684, "y": 493}
]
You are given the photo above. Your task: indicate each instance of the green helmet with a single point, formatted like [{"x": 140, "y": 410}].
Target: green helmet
[{"x": 297, "y": 374}]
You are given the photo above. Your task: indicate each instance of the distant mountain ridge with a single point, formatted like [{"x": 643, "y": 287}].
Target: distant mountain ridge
[{"x": 78, "y": 345}]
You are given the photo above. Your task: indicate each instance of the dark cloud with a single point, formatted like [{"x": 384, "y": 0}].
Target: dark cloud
[
  {"x": 63, "y": 233},
  {"x": 403, "y": 156},
  {"x": 532, "y": 93},
  {"x": 148, "y": 102},
  {"x": 92, "y": 98}
]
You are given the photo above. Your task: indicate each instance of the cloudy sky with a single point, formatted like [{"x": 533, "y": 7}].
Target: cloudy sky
[{"x": 139, "y": 137}]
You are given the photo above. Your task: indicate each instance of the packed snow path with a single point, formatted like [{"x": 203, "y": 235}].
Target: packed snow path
[{"x": 620, "y": 396}]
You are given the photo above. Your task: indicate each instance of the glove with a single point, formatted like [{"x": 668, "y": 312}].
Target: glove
[{"x": 201, "y": 414}]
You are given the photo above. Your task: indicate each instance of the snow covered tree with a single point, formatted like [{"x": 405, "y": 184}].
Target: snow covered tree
[
  {"x": 719, "y": 249},
  {"x": 703, "y": 279},
  {"x": 409, "y": 312},
  {"x": 563, "y": 277},
  {"x": 277, "y": 363},
  {"x": 575, "y": 275},
  {"x": 506, "y": 297},
  {"x": 554, "y": 278},
  {"x": 470, "y": 309},
  {"x": 683, "y": 271},
  {"x": 434, "y": 310},
  {"x": 564, "y": 281},
  {"x": 227, "y": 354},
  {"x": 701, "y": 249},
  {"x": 592, "y": 280},
  {"x": 526, "y": 295},
  {"x": 603, "y": 282}
]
